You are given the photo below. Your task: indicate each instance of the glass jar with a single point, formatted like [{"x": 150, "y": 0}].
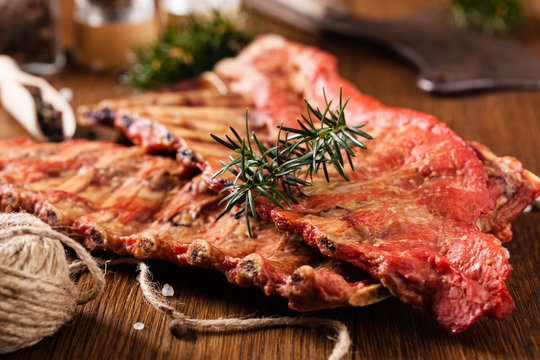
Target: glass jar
[
  {"x": 107, "y": 32},
  {"x": 29, "y": 33}
]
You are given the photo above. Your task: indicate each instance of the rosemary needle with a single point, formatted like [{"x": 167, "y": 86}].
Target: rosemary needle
[{"x": 278, "y": 172}]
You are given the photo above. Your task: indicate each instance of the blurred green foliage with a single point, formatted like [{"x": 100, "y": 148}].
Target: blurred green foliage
[
  {"x": 187, "y": 50},
  {"x": 488, "y": 15}
]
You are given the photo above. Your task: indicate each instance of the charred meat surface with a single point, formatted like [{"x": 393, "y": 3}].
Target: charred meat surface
[{"x": 123, "y": 200}]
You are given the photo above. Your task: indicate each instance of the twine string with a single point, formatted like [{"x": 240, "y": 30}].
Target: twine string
[
  {"x": 182, "y": 323},
  {"x": 86, "y": 260},
  {"x": 37, "y": 293}
]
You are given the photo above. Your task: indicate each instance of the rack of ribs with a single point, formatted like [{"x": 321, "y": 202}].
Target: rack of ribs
[{"x": 424, "y": 213}]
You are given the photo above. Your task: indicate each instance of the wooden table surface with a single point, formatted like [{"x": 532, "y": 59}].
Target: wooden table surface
[{"x": 506, "y": 121}]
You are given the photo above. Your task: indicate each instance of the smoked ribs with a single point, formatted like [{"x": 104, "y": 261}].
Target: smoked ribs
[
  {"x": 123, "y": 200},
  {"x": 424, "y": 212}
]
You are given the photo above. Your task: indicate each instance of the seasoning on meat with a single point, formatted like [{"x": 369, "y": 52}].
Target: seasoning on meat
[{"x": 120, "y": 199}]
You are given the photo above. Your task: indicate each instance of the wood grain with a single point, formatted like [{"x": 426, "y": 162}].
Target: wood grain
[{"x": 506, "y": 121}]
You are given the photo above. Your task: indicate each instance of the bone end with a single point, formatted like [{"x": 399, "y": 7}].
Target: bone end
[
  {"x": 369, "y": 294},
  {"x": 249, "y": 270}
]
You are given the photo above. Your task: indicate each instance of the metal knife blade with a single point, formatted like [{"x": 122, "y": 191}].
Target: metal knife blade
[{"x": 450, "y": 60}]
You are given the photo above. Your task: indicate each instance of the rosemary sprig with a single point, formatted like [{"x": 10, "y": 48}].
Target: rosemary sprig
[
  {"x": 277, "y": 172},
  {"x": 188, "y": 49}
]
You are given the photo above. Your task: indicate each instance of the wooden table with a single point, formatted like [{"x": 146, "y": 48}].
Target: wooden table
[{"x": 506, "y": 121}]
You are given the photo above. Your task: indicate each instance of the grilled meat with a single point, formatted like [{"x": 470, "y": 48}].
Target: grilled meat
[
  {"x": 152, "y": 207},
  {"x": 422, "y": 211}
]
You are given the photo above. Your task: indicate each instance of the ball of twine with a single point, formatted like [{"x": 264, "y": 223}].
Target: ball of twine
[{"x": 37, "y": 293}]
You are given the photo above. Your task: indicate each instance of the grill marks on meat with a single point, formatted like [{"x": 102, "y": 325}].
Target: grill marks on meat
[
  {"x": 206, "y": 90},
  {"x": 183, "y": 130},
  {"x": 121, "y": 199},
  {"x": 93, "y": 177},
  {"x": 180, "y": 119}
]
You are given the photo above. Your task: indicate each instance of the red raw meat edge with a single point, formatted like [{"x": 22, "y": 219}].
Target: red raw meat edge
[{"x": 409, "y": 214}]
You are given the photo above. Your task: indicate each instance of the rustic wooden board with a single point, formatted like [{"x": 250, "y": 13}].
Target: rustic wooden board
[{"x": 506, "y": 121}]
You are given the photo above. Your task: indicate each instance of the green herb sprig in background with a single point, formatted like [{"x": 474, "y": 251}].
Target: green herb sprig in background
[
  {"x": 488, "y": 15},
  {"x": 187, "y": 50},
  {"x": 278, "y": 171}
]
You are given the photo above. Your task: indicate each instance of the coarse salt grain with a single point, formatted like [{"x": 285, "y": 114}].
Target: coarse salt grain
[
  {"x": 167, "y": 290},
  {"x": 138, "y": 326}
]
